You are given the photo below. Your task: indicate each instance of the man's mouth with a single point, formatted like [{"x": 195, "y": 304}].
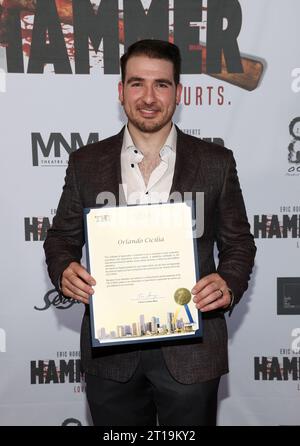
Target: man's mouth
[{"x": 148, "y": 112}]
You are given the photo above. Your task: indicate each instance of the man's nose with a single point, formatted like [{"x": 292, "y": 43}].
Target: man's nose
[{"x": 149, "y": 94}]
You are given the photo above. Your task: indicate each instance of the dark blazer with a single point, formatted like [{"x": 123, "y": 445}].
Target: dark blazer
[{"x": 200, "y": 166}]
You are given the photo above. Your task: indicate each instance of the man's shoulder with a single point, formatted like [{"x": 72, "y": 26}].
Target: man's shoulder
[{"x": 99, "y": 148}]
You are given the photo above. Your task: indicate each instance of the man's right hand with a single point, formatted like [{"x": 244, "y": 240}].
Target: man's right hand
[{"x": 77, "y": 283}]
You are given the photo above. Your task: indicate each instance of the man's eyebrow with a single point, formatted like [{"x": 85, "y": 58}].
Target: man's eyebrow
[
  {"x": 140, "y": 79},
  {"x": 134, "y": 79},
  {"x": 163, "y": 81}
]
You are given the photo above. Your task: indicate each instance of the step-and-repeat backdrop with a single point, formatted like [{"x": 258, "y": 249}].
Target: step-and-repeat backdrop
[{"x": 59, "y": 69}]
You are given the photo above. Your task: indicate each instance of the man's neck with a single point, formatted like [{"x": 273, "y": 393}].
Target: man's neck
[{"x": 149, "y": 143}]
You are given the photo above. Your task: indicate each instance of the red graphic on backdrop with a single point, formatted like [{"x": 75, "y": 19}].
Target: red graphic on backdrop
[{"x": 248, "y": 79}]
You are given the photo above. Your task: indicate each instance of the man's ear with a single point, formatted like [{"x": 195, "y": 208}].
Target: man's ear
[
  {"x": 178, "y": 93},
  {"x": 120, "y": 90}
]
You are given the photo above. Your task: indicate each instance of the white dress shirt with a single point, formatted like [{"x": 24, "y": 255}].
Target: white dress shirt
[{"x": 160, "y": 181}]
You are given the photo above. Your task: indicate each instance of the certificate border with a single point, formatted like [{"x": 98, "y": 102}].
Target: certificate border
[{"x": 95, "y": 342}]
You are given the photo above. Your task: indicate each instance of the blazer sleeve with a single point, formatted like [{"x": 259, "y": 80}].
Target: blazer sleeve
[
  {"x": 65, "y": 238},
  {"x": 234, "y": 240}
]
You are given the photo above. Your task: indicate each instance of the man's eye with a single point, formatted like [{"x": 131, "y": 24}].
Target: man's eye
[{"x": 136, "y": 84}]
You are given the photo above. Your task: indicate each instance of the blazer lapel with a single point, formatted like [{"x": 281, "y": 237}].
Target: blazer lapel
[
  {"x": 186, "y": 165},
  {"x": 111, "y": 176}
]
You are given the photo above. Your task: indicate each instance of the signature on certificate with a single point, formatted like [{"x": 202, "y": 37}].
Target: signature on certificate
[{"x": 147, "y": 297}]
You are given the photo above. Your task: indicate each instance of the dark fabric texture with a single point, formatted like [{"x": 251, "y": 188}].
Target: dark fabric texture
[
  {"x": 152, "y": 396},
  {"x": 200, "y": 167}
]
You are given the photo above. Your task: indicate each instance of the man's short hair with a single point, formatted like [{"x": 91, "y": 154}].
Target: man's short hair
[{"x": 155, "y": 49}]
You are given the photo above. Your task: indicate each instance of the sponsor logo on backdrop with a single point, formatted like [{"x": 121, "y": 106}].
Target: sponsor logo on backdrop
[
  {"x": 208, "y": 95},
  {"x": 197, "y": 132},
  {"x": 71, "y": 422},
  {"x": 2, "y": 340},
  {"x": 74, "y": 37},
  {"x": 64, "y": 369},
  {"x": 54, "y": 299},
  {"x": 295, "y": 86},
  {"x": 284, "y": 367},
  {"x": 35, "y": 228},
  {"x": 285, "y": 225},
  {"x": 288, "y": 295},
  {"x": 294, "y": 148},
  {"x": 54, "y": 149}
]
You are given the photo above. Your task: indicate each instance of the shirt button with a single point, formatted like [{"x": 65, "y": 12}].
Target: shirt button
[
  {"x": 132, "y": 165},
  {"x": 135, "y": 151},
  {"x": 147, "y": 193}
]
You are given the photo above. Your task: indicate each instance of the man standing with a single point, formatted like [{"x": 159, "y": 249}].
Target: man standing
[{"x": 175, "y": 381}]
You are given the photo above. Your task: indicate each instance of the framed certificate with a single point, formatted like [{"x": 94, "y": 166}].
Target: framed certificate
[{"x": 144, "y": 261}]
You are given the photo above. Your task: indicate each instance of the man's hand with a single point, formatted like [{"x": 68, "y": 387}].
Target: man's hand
[
  {"x": 211, "y": 293},
  {"x": 77, "y": 283}
]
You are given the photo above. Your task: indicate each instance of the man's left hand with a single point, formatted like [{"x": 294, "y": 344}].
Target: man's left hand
[{"x": 211, "y": 292}]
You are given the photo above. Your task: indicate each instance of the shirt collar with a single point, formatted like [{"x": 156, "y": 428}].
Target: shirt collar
[{"x": 170, "y": 142}]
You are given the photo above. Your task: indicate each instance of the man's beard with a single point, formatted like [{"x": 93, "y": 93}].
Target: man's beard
[{"x": 148, "y": 127}]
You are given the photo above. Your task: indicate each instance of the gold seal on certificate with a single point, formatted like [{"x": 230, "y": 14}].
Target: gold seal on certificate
[{"x": 182, "y": 296}]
